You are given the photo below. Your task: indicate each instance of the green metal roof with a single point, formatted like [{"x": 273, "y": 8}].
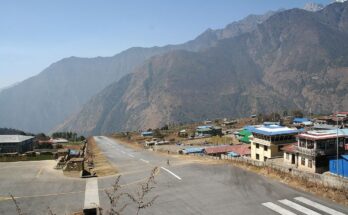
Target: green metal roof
[
  {"x": 245, "y": 139},
  {"x": 245, "y": 133}
]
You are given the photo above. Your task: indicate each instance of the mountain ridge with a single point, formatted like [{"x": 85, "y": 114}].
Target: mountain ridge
[
  {"x": 294, "y": 60},
  {"x": 40, "y": 103}
]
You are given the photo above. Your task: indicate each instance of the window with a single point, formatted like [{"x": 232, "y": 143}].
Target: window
[
  {"x": 303, "y": 161},
  {"x": 280, "y": 148},
  {"x": 257, "y": 145},
  {"x": 309, "y": 163},
  {"x": 265, "y": 148},
  {"x": 265, "y": 158},
  {"x": 257, "y": 157}
]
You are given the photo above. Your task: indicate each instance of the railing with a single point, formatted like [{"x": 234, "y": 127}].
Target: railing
[
  {"x": 316, "y": 152},
  {"x": 301, "y": 150}
]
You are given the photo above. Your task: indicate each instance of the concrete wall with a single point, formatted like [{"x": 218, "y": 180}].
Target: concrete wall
[
  {"x": 306, "y": 166},
  {"x": 259, "y": 151},
  {"x": 327, "y": 180}
]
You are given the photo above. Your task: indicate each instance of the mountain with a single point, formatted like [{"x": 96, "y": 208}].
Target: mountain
[
  {"x": 313, "y": 7},
  {"x": 10, "y": 131},
  {"x": 40, "y": 103},
  {"x": 294, "y": 60}
]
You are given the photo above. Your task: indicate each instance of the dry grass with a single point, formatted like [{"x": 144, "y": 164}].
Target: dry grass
[
  {"x": 336, "y": 195},
  {"x": 102, "y": 166}
]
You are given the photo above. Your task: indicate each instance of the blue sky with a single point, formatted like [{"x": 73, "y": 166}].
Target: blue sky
[{"x": 37, "y": 33}]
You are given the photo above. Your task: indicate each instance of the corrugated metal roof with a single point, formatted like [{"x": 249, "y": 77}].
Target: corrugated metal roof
[
  {"x": 299, "y": 120},
  {"x": 245, "y": 132},
  {"x": 245, "y": 139},
  {"x": 192, "y": 150},
  {"x": 239, "y": 149},
  {"x": 345, "y": 157},
  {"x": 14, "y": 138}
]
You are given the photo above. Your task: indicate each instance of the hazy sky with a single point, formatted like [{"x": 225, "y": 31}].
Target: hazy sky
[{"x": 36, "y": 33}]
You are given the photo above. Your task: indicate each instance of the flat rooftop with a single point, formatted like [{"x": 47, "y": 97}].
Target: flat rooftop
[
  {"x": 14, "y": 138},
  {"x": 272, "y": 130},
  {"x": 320, "y": 135}
]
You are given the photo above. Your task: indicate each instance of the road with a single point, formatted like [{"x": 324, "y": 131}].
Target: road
[{"x": 183, "y": 187}]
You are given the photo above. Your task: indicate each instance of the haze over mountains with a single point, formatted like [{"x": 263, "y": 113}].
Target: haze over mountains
[
  {"x": 40, "y": 103},
  {"x": 293, "y": 59}
]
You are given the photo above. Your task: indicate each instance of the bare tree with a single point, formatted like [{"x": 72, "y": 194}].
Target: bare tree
[
  {"x": 140, "y": 199},
  {"x": 114, "y": 195},
  {"x": 50, "y": 212}
]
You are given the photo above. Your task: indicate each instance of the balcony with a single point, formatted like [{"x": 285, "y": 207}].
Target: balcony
[{"x": 317, "y": 152}]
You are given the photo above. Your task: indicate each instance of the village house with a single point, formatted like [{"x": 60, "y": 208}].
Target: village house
[
  {"x": 147, "y": 133},
  {"x": 16, "y": 143},
  {"x": 219, "y": 150},
  {"x": 313, "y": 150},
  {"x": 339, "y": 119},
  {"x": 268, "y": 141},
  {"x": 302, "y": 122},
  {"x": 208, "y": 130}
]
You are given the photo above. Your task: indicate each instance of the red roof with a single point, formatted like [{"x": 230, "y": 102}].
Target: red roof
[
  {"x": 243, "y": 149},
  {"x": 289, "y": 148},
  {"x": 343, "y": 112},
  {"x": 45, "y": 142},
  {"x": 319, "y": 136}
]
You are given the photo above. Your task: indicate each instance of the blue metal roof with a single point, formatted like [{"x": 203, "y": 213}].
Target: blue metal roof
[
  {"x": 73, "y": 152},
  {"x": 299, "y": 120},
  {"x": 345, "y": 157},
  {"x": 193, "y": 150},
  {"x": 249, "y": 127},
  {"x": 204, "y": 126},
  {"x": 233, "y": 154}
]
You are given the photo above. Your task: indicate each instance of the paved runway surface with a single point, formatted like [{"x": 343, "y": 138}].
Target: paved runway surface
[{"x": 183, "y": 187}]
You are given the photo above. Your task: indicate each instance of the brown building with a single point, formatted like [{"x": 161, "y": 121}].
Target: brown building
[{"x": 313, "y": 150}]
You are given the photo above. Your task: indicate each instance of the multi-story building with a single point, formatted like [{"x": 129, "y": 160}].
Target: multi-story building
[
  {"x": 16, "y": 143},
  {"x": 268, "y": 141},
  {"x": 315, "y": 148}
]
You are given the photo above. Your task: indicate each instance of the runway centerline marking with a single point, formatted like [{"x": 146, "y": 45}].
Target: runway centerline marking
[
  {"x": 170, "y": 172},
  {"x": 145, "y": 161}
]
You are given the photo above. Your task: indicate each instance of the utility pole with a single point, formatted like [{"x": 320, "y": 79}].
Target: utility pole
[{"x": 336, "y": 144}]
